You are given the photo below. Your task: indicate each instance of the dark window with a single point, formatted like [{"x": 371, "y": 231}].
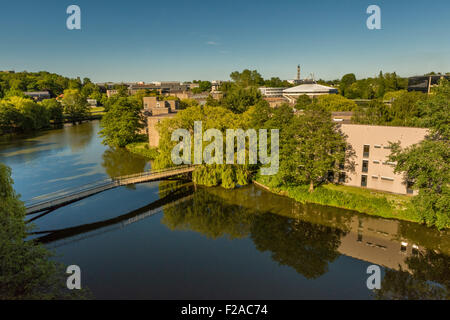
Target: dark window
[
  {"x": 365, "y": 166},
  {"x": 409, "y": 189},
  {"x": 359, "y": 237},
  {"x": 341, "y": 177},
  {"x": 363, "y": 181},
  {"x": 403, "y": 247},
  {"x": 366, "y": 151}
]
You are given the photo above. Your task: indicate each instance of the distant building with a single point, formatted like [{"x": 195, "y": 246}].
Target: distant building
[
  {"x": 371, "y": 145},
  {"x": 38, "y": 95},
  {"x": 342, "y": 116},
  {"x": 311, "y": 90},
  {"x": 164, "y": 88},
  {"x": 215, "y": 85},
  {"x": 275, "y": 102},
  {"x": 271, "y": 92},
  {"x": 92, "y": 102},
  {"x": 425, "y": 83}
]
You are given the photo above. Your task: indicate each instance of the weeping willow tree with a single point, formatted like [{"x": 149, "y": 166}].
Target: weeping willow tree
[{"x": 214, "y": 174}]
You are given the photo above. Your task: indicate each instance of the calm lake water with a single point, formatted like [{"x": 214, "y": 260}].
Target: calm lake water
[{"x": 170, "y": 240}]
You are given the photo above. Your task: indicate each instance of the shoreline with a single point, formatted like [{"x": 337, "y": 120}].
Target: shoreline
[{"x": 286, "y": 193}]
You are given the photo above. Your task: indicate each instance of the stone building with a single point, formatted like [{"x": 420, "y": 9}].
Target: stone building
[{"x": 156, "y": 111}]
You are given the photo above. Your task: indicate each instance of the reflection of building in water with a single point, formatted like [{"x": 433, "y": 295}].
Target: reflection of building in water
[
  {"x": 377, "y": 241},
  {"x": 370, "y": 239}
]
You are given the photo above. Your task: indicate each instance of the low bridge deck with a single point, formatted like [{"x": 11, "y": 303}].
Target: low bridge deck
[{"x": 85, "y": 191}]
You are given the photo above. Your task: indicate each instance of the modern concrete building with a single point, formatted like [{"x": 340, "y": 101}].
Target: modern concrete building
[
  {"x": 271, "y": 92},
  {"x": 371, "y": 145}
]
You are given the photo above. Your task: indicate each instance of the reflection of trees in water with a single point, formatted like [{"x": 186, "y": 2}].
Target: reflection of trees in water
[
  {"x": 428, "y": 278},
  {"x": 426, "y": 237},
  {"x": 306, "y": 247},
  {"x": 79, "y": 136},
  {"x": 119, "y": 162},
  {"x": 209, "y": 215}
]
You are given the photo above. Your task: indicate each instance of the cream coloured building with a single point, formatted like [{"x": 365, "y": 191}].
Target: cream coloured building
[{"x": 371, "y": 145}]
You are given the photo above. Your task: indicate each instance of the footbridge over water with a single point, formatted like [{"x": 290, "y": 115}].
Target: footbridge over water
[{"x": 50, "y": 202}]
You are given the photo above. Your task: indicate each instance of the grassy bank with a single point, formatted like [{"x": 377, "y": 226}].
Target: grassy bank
[
  {"x": 143, "y": 149},
  {"x": 366, "y": 201}
]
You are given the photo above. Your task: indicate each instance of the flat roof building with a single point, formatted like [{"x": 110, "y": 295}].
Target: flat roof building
[
  {"x": 311, "y": 90},
  {"x": 372, "y": 167},
  {"x": 38, "y": 95}
]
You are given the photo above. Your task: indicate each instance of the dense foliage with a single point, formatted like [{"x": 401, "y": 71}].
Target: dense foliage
[
  {"x": 25, "y": 269},
  {"x": 18, "y": 114},
  {"x": 426, "y": 165},
  {"x": 123, "y": 122}
]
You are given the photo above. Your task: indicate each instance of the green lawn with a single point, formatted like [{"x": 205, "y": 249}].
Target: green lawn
[{"x": 143, "y": 149}]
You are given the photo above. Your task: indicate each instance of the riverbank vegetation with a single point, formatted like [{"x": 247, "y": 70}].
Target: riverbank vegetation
[
  {"x": 143, "y": 149},
  {"x": 26, "y": 268},
  {"x": 19, "y": 113}
]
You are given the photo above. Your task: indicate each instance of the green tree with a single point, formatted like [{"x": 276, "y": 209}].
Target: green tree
[
  {"x": 26, "y": 272},
  {"x": 75, "y": 106},
  {"x": 426, "y": 165},
  {"x": 122, "y": 123},
  {"x": 247, "y": 78},
  {"x": 346, "y": 81},
  {"x": 54, "y": 110},
  {"x": 303, "y": 102},
  {"x": 318, "y": 147},
  {"x": 335, "y": 102}
]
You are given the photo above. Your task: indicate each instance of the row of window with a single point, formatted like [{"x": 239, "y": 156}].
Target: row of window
[{"x": 366, "y": 149}]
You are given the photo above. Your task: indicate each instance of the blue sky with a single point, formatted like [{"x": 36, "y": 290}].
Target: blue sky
[{"x": 185, "y": 40}]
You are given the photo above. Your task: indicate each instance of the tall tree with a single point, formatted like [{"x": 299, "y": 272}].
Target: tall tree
[
  {"x": 122, "y": 122},
  {"x": 75, "y": 106}
]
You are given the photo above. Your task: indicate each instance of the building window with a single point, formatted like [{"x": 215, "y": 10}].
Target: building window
[
  {"x": 365, "y": 166},
  {"x": 360, "y": 237},
  {"x": 363, "y": 180},
  {"x": 366, "y": 151},
  {"x": 403, "y": 247},
  {"x": 409, "y": 189},
  {"x": 341, "y": 177}
]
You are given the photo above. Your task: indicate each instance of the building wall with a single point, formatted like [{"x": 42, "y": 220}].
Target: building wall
[
  {"x": 380, "y": 173},
  {"x": 152, "y": 130}
]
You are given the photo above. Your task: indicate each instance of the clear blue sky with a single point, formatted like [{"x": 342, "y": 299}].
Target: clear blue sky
[{"x": 184, "y": 40}]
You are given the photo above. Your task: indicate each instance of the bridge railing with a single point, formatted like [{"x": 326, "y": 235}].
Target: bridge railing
[
  {"x": 68, "y": 193},
  {"x": 99, "y": 185},
  {"x": 153, "y": 172}
]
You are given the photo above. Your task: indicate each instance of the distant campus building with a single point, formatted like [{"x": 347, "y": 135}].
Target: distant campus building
[
  {"x": 38, "y": 95},
  {"x": 425, "y": 83}
]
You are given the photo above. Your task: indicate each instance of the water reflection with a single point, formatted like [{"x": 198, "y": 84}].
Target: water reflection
[
  {"x": 119, "y": 162},
  {"x": 308, "y": 238}
]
